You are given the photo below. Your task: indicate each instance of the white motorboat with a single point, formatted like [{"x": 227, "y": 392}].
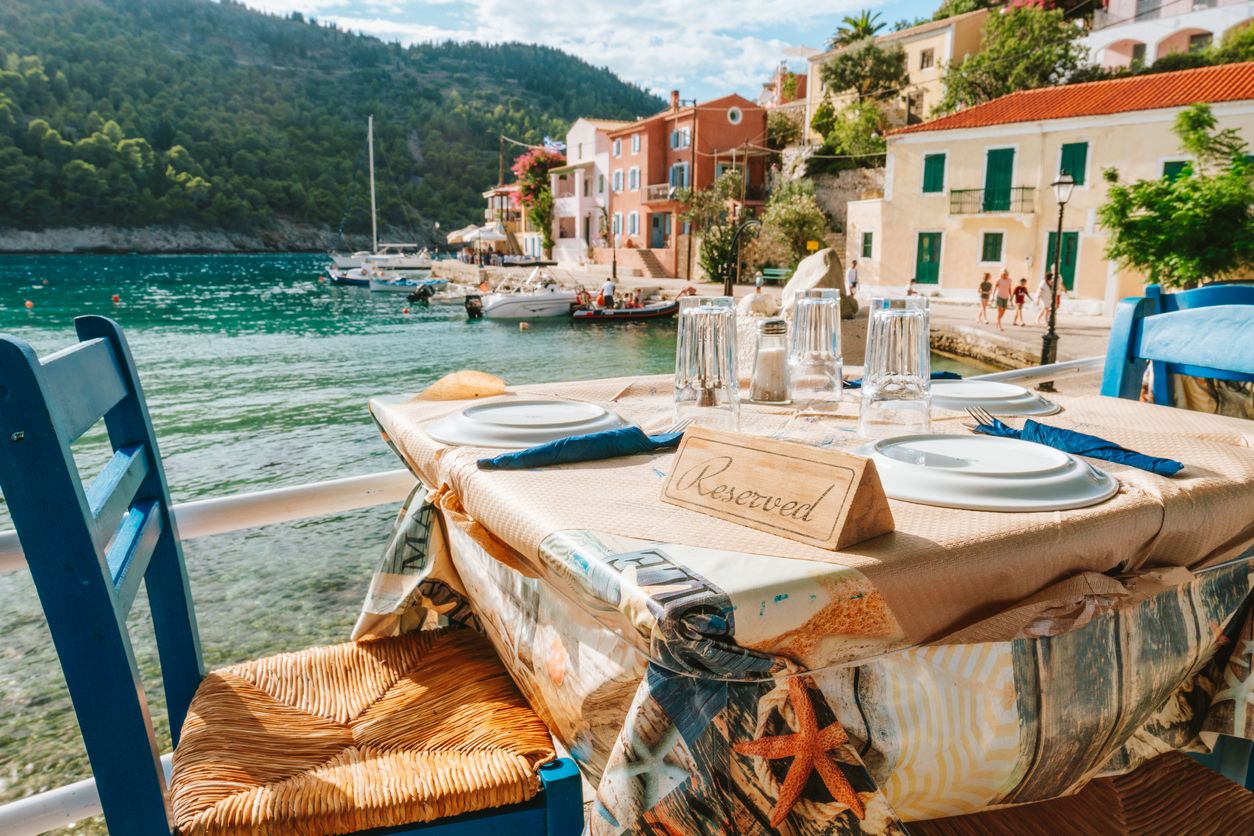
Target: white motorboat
[{"x": 540, "y": 296}]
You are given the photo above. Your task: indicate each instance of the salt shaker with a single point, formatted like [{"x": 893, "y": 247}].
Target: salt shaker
[{"x": 770, "y": 381}]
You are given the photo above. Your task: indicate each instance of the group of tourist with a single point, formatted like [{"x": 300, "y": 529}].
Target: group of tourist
[{"x": 1004, "y": 293}]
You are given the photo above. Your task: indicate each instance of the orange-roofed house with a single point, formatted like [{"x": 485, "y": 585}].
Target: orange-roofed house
[
  {"x": 970, "y": 193},
  {"x": 681, "y": 147}
]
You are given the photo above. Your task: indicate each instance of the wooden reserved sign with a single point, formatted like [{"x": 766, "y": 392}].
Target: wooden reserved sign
[{"x": 822, "y": 497}]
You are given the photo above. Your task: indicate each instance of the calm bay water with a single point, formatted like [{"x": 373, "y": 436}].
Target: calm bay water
[{"x": 257, "y": 376}]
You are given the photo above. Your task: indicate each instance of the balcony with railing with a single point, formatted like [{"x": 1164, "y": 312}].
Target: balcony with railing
[
  {"x": 979, "y": 201},
  {"x": 659, "y": 192}
]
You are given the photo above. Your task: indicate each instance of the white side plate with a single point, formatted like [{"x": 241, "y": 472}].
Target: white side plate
[
  {"x": 985, "y": 473},
  {"x": 991, "y": 395},
  {"x": 515, "y": 424}
]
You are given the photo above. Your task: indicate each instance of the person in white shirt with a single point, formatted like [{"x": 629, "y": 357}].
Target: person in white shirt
[
  {"x": 607, "y": 293},
  {"x": 851, "y": 278}
]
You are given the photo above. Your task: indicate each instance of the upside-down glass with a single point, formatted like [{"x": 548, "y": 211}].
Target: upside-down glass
[
  {"x": 706, "y": 387},
  {"x": 814, "y": 359},
  {"x": 896, "y": 381}
]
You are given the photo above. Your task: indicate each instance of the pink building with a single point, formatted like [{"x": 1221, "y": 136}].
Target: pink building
[{"x": 1139, "y": 32}]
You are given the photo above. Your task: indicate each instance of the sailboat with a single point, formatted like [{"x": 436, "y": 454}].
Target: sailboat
[{"x": 401, "y": 258}]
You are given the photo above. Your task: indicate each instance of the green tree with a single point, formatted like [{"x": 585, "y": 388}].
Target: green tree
[
  {"x": 868, "y": 70},
  {"x": 858, "y": 130},
  {"x": 1195, "y": 228},
  {"x": 1022, "y": 49},
  {"x": 953, "y": 8},
  {"x": 854, "y": 28},
  {"x": 708, "y": 210},
  {"x": 782, "y": 129},
  {"x": 791, "y": 218}
]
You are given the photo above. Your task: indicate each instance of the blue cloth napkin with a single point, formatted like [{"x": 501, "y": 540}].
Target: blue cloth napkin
[
  {"x": 856, "y": 383},
  {"x": 1070, "y": 441},
  {"x": 607, "y": 444}
]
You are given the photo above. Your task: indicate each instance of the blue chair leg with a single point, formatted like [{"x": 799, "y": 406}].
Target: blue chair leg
[
  {"x": 1232, "y": 758},
  {"x": 563, "y": 797}
]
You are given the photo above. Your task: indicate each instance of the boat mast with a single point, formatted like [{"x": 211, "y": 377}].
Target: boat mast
[{"x": 374, "y": 221}]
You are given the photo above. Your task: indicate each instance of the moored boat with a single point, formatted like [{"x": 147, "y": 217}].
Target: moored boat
[
  {"x": 349, "y": 278},
  {"x": 539, "y": 297},
  {"x": 402, "y": 284},
  {"x": 653, "y": 310}
]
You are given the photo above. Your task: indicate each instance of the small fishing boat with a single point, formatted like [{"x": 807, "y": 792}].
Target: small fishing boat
[
  {"x": 653, "y": 310},
  {"x": 402, "y": 284},
  {"x": 350, "y": 278}
]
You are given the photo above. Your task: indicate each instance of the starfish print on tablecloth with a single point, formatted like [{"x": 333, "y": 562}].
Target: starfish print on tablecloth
[
  {"x": 808, "y": 748},
  {"x": 649, "y": 763}
]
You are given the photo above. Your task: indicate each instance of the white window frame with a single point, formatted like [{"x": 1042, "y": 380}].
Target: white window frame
[
  {"x": 735, "y": 115},
  {"x": 600, "y": 183},
  {"x": 940, "y": 257},
  {"x": 635, "y": 143},
  {"x": 616, "y": 225},
  {"x": 618, "y": 148},
  {"x": 923, "y": 52},
  {"x": 1079, "y": 253},
  {"x": 862, "y": 233},
  {"x": 671, "y": 179},
  {"x": 681, "y": 138},
  {"x": 633, "y": 179},
  {"x": 617, "y": 180},
  {"x": 633, "y": 223},
  {"x": 984, "y": 173},
  {"x": 1005, "y": 238}
]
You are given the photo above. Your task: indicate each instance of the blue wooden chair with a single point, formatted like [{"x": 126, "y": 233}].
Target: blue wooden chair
[
  {"x": 1206, "y": 332},
  {"x": 328, "y": 740}
]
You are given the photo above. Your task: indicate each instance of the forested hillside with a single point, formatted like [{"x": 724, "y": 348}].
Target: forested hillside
[{"x": 194, "y": 113}]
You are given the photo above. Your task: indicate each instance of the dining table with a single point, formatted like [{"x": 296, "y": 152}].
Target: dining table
[{"x": 711, "y": 677}]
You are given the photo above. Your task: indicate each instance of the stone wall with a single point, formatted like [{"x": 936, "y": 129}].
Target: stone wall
[{"x": 833, "y": 191}]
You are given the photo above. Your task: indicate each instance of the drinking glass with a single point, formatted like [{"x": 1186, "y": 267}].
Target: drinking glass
[
  {"x": 814, "y": 359},
  {"x": 897, "y": 379},
  {"x": 706, "y": 387}
]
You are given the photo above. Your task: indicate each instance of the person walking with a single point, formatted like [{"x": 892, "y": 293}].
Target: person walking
[
  {"x": 1044, "y": 295},
  {"x": 1001, "y": 295},
  {"x": 851, "y": 278},
  {"x": 1021, "y": 298},
  {"x": 986, "y": 287}
]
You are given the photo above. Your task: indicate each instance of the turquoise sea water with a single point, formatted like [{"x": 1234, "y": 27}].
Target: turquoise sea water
[{"x": 257, "y": 375}]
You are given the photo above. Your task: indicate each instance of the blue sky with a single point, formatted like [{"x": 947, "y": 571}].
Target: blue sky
[{"x": 705, "y": 48}]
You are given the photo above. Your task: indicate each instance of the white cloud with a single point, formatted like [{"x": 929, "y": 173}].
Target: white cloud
[{"x": 702, "y": 47}]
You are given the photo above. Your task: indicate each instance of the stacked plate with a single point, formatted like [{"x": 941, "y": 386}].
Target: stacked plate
[
  {"x": 990, "y": 395},
  {"x": 515, "y": 424},
  {"x": 986, "y": 473}
]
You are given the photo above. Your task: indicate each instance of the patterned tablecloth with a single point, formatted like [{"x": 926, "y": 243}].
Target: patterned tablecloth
[{"x": 711, "y": 678}]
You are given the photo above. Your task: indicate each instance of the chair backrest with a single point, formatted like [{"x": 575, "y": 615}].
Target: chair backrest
[
  {"x": 88, "y": 548},
  {"x": 1205, "y": 332}
]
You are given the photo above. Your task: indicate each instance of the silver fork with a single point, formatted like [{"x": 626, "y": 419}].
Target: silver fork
[
  {"x": 980, "y": 416},
  {"x": 678, "y": 426}
]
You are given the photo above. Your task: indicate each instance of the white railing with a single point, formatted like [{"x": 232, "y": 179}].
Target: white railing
[
  {"x": 63, "y": 806},
  {"x": 206, "y": 517}
]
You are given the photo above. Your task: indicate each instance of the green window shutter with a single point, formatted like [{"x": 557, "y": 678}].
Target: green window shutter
[
  {"x": 1174, "y": 168},
  {"x": 1074, "y": 160},
  {"x": 991, "y": 249},
  {"x": 866, "y": 244},
  {"x": 934, "y": 173}
]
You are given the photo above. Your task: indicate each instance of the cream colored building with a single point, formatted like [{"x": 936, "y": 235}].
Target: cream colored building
[
  {"x": 970, "y": 193},
  {"x": 581, "y": 189},
  {"x": 929, "y": 48}
]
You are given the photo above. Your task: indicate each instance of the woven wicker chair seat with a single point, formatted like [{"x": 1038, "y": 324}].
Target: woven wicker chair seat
[
  {"x": 354, "y": 736},
  {"x": 1172, "y": 795}
]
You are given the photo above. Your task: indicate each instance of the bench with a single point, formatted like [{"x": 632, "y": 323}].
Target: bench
[{"x": 776, "y": 275}]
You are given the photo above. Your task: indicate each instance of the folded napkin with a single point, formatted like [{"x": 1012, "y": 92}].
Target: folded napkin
[
  {"x": 1070, "y": 441},
  {"x": 856, "y": 383},
  {"x": 607, "y": 444}
]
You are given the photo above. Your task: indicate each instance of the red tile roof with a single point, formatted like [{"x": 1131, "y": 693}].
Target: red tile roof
[{"x": 1225, "y": 83}]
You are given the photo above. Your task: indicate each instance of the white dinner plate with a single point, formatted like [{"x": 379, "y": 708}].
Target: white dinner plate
[
  {"x": 986, "y": 473},
  {"x": 515, "y": 424},
  {"x": 991, "y": 395}
]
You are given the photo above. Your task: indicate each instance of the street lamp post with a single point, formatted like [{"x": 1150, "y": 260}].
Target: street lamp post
[
  {"x": 732, "y": 270},
  {"x": 1062, "y": 187}
]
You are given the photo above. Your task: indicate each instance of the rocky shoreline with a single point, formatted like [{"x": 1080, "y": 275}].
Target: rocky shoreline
[{"x": 282, "y": 237}]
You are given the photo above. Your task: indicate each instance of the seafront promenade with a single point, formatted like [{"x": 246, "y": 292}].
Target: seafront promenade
[{"x": 954, "y": 327}]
